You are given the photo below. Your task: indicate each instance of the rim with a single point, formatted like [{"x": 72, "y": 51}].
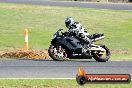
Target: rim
[
  {"x": 103, "y": 56},
  {"x": 58, "y": 52}
]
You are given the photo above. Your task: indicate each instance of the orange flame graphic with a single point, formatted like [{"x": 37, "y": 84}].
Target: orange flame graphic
[{"x": 81, "y": 71}]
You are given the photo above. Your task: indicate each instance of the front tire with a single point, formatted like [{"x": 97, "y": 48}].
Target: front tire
[
  {"x": 57, "y": 53},
  {"x": 100, "y": 57}
]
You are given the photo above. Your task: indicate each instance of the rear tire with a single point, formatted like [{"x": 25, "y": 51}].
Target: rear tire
[
  {"x": 56, "y": 53},
  {"x": 98, "y": 57}
]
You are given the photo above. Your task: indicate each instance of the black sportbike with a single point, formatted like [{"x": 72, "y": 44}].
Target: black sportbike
[{"x": 67, "y": 45}]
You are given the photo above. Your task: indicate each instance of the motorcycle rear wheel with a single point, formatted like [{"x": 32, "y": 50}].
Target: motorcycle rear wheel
[
  {"x": 99, "y": 57},
  {"x": 57, "y": 54}
]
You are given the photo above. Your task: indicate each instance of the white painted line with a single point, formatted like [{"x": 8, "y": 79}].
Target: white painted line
[{"x": 36, "y": 78}]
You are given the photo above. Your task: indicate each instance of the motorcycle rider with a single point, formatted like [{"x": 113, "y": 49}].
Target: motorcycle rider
[{"x": 76, "y": 27}]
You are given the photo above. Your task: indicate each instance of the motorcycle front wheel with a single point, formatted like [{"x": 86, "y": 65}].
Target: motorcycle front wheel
[
  {"x": 57, "y": 53},
  {"x": 102, "y": 57}
]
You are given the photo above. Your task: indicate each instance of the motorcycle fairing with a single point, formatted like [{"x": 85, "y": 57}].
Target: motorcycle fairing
[{"x": 71, "y": 44}]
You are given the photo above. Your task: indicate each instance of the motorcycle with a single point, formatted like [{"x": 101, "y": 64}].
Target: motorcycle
[{"x": 66, "y": 45}]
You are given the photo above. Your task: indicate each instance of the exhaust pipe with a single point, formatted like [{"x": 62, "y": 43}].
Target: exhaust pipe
[{"x": 97, "y": 39}]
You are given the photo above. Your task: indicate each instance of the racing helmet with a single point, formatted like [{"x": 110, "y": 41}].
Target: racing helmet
[{"x": 69, "y": 21}]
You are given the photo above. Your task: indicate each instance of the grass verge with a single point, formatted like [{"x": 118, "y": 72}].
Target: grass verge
[{"x": 55, "y": 84}]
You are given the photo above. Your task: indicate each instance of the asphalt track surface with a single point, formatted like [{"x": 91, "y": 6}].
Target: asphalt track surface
[
  {"x": 74, "y": 4},
  {"x": 60, "y": 69}
]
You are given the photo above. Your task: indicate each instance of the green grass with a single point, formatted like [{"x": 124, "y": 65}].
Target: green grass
[
  {"x": 43, "y": 21},
  {"x": 55, "y": 84}
]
